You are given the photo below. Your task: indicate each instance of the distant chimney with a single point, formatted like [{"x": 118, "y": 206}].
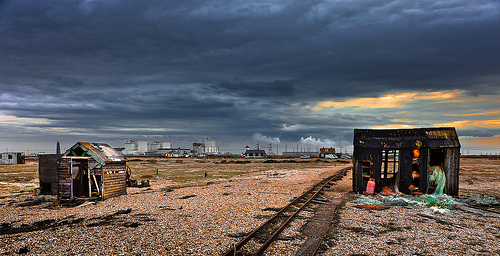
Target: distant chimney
[{"x": 58, "y": 148}]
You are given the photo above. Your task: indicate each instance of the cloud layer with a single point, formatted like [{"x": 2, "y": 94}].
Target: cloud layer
[{"x": 185, "y": 70}]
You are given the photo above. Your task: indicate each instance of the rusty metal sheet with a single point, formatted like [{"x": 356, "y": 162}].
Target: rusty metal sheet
[{"x": 101, "y": 152}]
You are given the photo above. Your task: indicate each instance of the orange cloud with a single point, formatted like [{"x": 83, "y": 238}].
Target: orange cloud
[
  {"x": 402, "y": 120},
  {"x": 395, "y": 126},
  {"x": 482, "y": 141},
  {"x": 391, "y": 100},
  {"x": 462, "y": 124},
  {"x": 4, "y": 119},
  {"x": 487, "y": 113}
]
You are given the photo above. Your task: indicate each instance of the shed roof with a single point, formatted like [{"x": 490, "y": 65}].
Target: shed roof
[
  {"x": 101, "y": 152},
  {"x": 406, "y": 138}
]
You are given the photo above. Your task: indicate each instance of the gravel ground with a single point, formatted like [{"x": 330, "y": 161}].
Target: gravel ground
[
  {"x": 401, "y": 231},
  {"x": 192, "y": 220},
  {"x": 203, "y": 220}
]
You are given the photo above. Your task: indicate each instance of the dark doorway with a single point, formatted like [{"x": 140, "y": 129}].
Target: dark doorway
[{"x": 80, "y": 175}]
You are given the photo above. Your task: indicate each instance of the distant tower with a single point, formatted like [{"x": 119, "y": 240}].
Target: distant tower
[
  {"x": 58, "y": 148},
  {"x": 270, "y": 149}
]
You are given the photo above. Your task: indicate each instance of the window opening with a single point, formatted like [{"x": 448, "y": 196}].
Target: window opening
[
  {"x": 389, "y": 170},
  {"x": 436, "y": 156},
  {"x": 390, "y": 163}
]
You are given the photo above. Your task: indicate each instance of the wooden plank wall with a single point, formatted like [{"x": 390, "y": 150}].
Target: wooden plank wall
[
  {"x": 405, "y": 165},
  {"x": 357, "y": 177},
  {"x": 452, "y": 166},
  {"x": 424, "y": 169},
  {"x": 114, "y": 180},
  {"x": 47, "y": 173},
  {"x": 375, "y": 158},
  {"x": 376, "y": 168},
  {"x": 64, "y": 179}
]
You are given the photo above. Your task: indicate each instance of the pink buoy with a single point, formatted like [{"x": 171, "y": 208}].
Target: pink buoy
[{"x": 370, "y": 186}]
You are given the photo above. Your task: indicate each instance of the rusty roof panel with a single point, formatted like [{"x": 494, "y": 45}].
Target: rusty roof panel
[{"x": 101, "y": 152}]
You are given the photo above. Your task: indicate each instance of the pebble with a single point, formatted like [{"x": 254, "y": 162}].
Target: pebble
[{"x": 162, "y": 223}]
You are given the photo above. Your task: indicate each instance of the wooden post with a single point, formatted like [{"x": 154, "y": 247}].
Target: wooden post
[
  {"x": 386, "y": 163},
  {"x": 90, "y": 180},
  {"x": 96, "y": 185},
  {"x": 71, "y": 176}
]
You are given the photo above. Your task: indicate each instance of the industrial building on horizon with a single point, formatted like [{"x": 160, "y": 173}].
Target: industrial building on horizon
[
  {"x": 140, "y": 148},
  {"x": 206, "y": 147}
]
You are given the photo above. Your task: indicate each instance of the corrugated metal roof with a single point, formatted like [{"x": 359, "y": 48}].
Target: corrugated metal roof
[
  {"x": 101, "y": 152},
  {"x": 399, "y": 138}
]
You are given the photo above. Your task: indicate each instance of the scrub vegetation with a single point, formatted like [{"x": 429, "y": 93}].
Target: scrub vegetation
[
  {"x": 176, "y": 172},
  {"x": 478, "y": 175}
]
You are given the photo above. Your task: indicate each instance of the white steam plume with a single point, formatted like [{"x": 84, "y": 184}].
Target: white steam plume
[
  {"x": 317, "y": 142},
  {"x": 262, "y": 138}
]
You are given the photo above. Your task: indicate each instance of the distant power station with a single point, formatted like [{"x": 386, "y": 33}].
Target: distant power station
[
  {"x": 138, "y": 148},
  {"x": 206, "y": 147},
  {"x": 135, "y": 147}
]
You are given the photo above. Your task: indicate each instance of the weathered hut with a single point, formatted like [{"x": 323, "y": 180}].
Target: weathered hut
[
  {"x": 91, "y": 170},
  {"x": 254, "y": 153},
  {"x": 327, "y": 153},
  {"x": 12, "y": 158},
  {"x": 403, "y": 160}
]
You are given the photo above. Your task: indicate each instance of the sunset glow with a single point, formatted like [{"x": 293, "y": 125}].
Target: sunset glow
[{"x": 393, "y": 100}]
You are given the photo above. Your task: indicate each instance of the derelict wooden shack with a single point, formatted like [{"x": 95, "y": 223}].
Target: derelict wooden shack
[
  {"x": 91, "y": 170},
  {"x": 12, "y": 158},
  {"x": 401, "y": 159}
]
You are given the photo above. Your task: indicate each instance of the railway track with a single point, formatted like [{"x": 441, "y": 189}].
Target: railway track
[{"x": 269, "y": 231}]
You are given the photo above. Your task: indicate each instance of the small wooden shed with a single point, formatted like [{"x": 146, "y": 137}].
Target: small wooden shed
[
  {"x": 401, "y": 159},
  {"x": 12, "y": 158},
  {"x": 91, "y": 170}
]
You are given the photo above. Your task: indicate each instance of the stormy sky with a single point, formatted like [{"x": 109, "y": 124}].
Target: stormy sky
[{"x": 245, "y": 72}]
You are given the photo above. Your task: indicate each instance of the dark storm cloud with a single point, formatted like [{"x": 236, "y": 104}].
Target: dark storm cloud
[
  {"x": 256, "y": 89},
  {"x": 384, "y": 42},
  {"x": 235, "y": 67}
]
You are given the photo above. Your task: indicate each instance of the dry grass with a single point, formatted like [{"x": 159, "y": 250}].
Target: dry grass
[
  {"x": 181, "y": 172},
  {"x": 175, "y": 172},
  {"x": 478, "y": 175},
  {"x": 19, "y": 178}
]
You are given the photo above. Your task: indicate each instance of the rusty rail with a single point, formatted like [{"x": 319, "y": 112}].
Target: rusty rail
[{"x": 322, "y": 184}]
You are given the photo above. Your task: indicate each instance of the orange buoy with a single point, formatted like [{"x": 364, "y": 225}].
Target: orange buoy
[{"x": 416, "y": 153}]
